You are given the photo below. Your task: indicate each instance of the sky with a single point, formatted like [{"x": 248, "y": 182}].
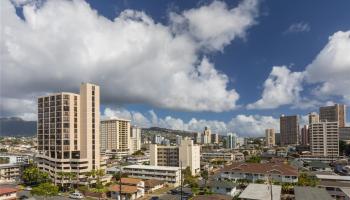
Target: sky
[{"x": 234, "y": 66}]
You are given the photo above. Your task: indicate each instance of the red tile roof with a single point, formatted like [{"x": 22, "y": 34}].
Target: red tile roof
[
  {"x": 262, "y": 168},
  {"x": 125, "y": 188},
  {"x": 150, "y": 183},
  {"x": 131, "y": 181},
  {"x": 7, "y": 190}
]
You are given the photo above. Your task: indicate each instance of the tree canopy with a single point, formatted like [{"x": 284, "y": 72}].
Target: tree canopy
[{"x": 45, "y": 189}]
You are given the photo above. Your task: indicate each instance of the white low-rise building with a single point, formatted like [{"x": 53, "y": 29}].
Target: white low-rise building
[
  {"x": 279, "y": 172},
  {"x": 164, "y": 173}
]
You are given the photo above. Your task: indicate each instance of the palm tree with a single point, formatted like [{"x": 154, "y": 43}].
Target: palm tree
[
  {"x": 61, "y": 175},
  {"x": 99, "y": 173},
  {"x": 90, "y": 176}
]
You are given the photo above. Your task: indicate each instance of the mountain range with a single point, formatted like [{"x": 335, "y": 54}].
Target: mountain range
[{"x": 15, "y": 126}]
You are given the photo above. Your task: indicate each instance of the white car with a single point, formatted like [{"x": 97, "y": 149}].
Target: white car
[
  {"x": 76, "y": 195},
  {"x": 28, "y": 188}
]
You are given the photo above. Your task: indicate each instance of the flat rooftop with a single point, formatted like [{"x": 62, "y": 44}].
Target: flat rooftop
[
  {"x": 311, "y": 193},
  {"x": 152, "y": 167},
  {"x": 333, "y": 177},
  {"x": 261, "y": 191}
]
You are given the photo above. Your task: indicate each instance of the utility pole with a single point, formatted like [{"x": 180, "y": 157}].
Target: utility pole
[
  {"x": 181, "y": 180},
  {"x": 120, "y": 183}
]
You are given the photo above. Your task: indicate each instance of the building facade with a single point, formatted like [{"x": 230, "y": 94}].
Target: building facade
[
  {"x": 289, "y": 128},
  {"x": 336, "y": 113},
  {"x": 305, "y": 136},
  {"x": 68, "y": 132},
  {"x": 270, "y": 137},
  {"x": 170, "y": 175},
  {"x": 324, "y": 139},
  {"x": 115, "y": 135},
  {"x": 206, "y": 136},
  {"x": 231, "y": 140},
  {"x": 344, "y": 133},
  {"x": 313, "y": 117},
  {"x": 186, "y": 154},
  {"x": 135, "y": 139},
  {"x": 215, "y": 138}
]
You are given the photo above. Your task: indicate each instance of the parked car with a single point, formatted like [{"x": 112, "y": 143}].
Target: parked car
[
  {"x": 76, "y": 195},
  {"x": 28, "y": 188},
  {"x": 155, "y": 198}
]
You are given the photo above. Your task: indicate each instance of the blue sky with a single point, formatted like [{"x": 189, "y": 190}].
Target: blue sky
[{"x": 306, "y": 41}]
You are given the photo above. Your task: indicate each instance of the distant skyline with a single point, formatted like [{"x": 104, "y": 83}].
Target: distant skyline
[{"x": 234, "y": 66}]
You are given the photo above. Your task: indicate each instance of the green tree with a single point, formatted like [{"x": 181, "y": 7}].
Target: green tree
[
  {"x": 33, "y": 176},
  {"x": 254, "y": 159},
  {"x": 188, "y": 178},
  {"x": 306, "y": 180},
  {"x": 205, "y": 176},
  {"x": 45, "y": 189}
]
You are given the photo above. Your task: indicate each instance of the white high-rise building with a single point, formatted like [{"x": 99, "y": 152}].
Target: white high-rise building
[
  {"x": 135, "y": 139},
  {"x": 231, "y": 140},
  {"x": 68, "y": 131},
  {"x": 324, "y": 138},
  {"x": 270, "y": 137},
  {"x": 178, "y": 139}
]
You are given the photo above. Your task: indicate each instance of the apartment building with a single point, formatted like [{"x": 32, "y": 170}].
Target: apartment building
[
  {"x": 168, "y": 174},
  {"x": 135, "y": 139},
  {"x": 115, "y": 135},
  {"x": 279, "y": 172},
  {"x": 10, "y": 173},
  {"x": 198, "y": 138},
  {"x": 206, "y": 136},
  {"x": 187, "y": 154},
  {"x": 215, "y": 138},
  {"x": 289, "y": 127},
  {"x": 68, "y": 130},
  {"x": 305, "y": 136},
  {"x": 324, "y": 138},
  {"x": 270, "y": 137},
  {"x": 335, "y": 113},
  {"x": 313, "y": 117},
  {"x": 344, "y": 134},
  {"x": 231, "y": 140},
  {"x": 226, "y": 156}
]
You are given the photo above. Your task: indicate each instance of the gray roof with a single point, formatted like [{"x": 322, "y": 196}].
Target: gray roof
[
  {"x": 318, "y": 164},
  {"x": 311, "y": 193}
]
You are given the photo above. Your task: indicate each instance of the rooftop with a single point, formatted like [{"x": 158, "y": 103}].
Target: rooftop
[
  {"x": 7, "y": 190},
  {"x": 261, "y": 191},
  {"x": 152, "y": 182},
  {"x": 212, "y": 197},
  {"x": 311, "y": 193},
  {"x": 262, "y": 168},
  {"x": 125, "y": 188},
  {"x": 152, "y": 167},
  {"x": 333, "y": 177},
  {"x": 130, "y": 180}
]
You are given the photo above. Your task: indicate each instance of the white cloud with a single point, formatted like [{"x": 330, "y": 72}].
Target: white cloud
[
  {"x": 281, "y": 88},
  {"x": 244, "y": 125},
  {"x": 298, "y": 27},
  {"x": 133, "y": 58},
  {"x": 331, "y": 68},
  {"x": 25, "y": 109},
  {"x": 215, "y": 25}
]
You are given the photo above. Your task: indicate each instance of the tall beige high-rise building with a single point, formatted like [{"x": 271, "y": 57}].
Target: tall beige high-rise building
[
  {"x": 68, "y": 132},
  {"x": 333, "y": 114},
  {"x": 115, "y": 135},
  {"x": 289, "y": 127},
  {"x": 187, "y": 154},
  {"x": 324, "y": 138},
  {"x": 135, "y": 139},
  {"x": 313, "y": 117},
  {"x": 270, "y": 137},
  {"x": 206, "y": 136}
]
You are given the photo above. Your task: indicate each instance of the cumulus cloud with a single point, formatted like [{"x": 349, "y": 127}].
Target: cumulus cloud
[
  {"x": 132, "y": 57},
  {"x": 244, "y": 125},
  {"x": 215, "y": 25},
  {"x": 298, "y": 27},
  {"x": 282, "y": 87},
  {"x": 331, "y": 68}
]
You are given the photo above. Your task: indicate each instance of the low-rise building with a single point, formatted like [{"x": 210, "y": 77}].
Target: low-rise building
[
  {"x": 8, "y": 193},
  {"x": 334, "y": 184},
  {"x": 131, "y": 188},
  {"x": 261, "y": 192},
  {"x": 138, "y": 160},
  {"x": 223, "y": 187},
  {"x": 164, "y": 173},
  {"x": 218, "y": 155},
  {"x": 279, "y": 172},
  {"x": 10, "y": 173},
  {"x": 311, "y": 193},
  {"x": 153, "y": 184}
]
